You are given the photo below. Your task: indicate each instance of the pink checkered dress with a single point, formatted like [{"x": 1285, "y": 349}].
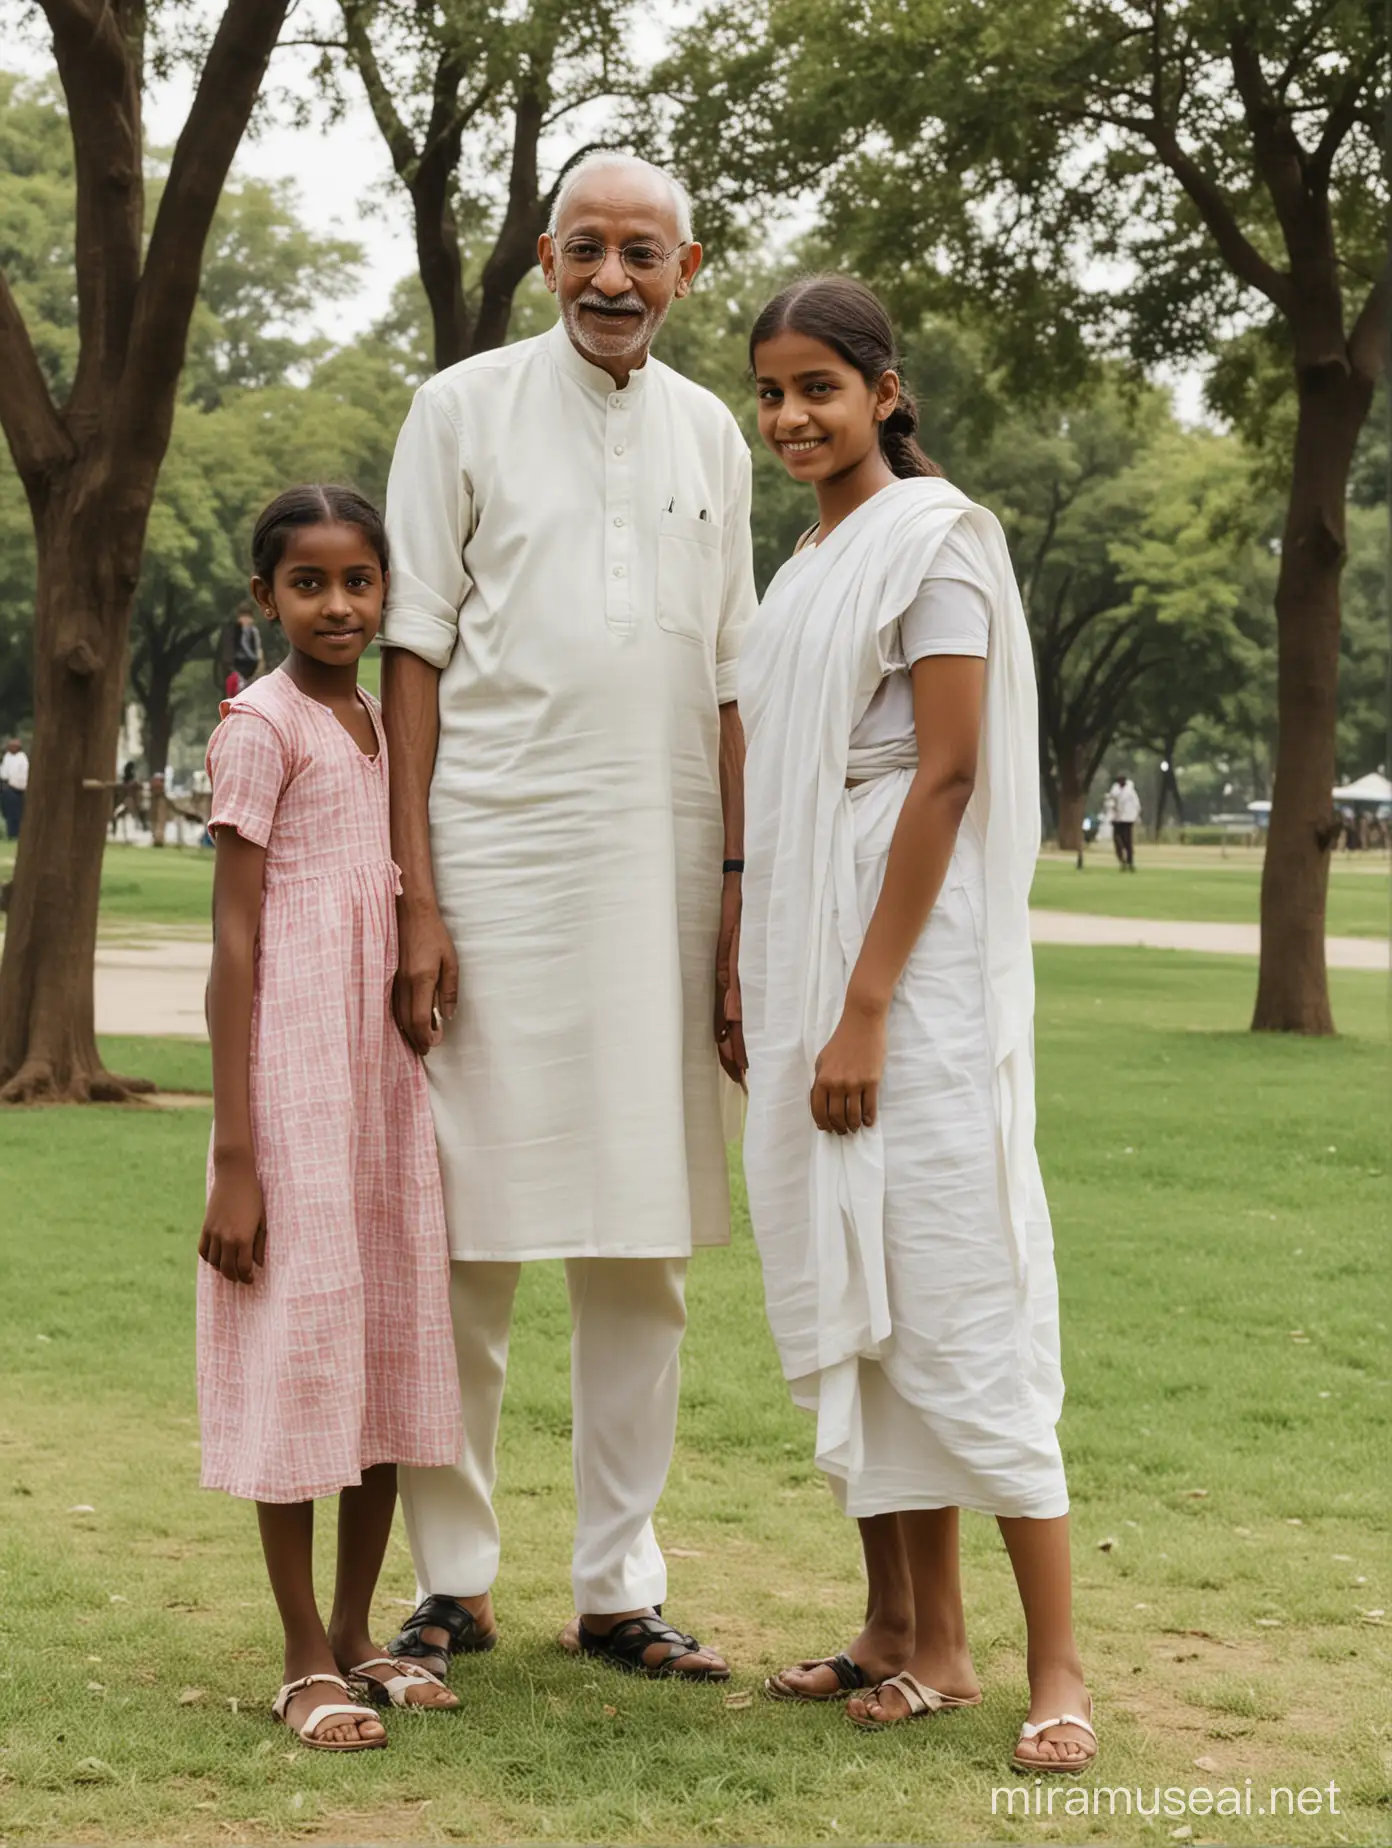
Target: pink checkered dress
[{"x": 340, "y": 1355}]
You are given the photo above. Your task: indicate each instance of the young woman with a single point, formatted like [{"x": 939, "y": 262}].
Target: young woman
[
  {"x": 325, "y": 1354},
  {"x": 892, "y": 822}
]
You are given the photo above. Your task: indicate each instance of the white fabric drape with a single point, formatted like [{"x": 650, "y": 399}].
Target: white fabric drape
[{"x": 810, "y": 667}]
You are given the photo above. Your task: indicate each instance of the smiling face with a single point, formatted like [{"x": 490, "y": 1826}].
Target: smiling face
[
  {"x": 816, "y": 412},
  {"x": 612, "y": 317},
  {"x": 326, "y": 592}
]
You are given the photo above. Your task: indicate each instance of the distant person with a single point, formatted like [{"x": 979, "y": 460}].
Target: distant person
[
  {"x": 14, "y": 780},
  {"x": 325, "y": 1356},
  {"x": 1126, "y": 812},
  {"x": 248, "y": 655}
]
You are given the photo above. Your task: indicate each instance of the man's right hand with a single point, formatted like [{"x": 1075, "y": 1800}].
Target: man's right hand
[{"x": 426, "y": 989}]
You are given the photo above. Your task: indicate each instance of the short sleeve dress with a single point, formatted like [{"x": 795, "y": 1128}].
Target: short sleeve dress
[{"x": 339, "y": 1356}]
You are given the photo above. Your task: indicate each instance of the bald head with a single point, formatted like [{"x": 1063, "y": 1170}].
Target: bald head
[{"x": 606, "y": 181}]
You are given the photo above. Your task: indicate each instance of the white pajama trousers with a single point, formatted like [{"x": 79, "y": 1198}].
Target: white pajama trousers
[{"x": 627, "y": 1317}]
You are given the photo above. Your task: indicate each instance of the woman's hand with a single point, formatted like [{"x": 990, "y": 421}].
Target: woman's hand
[
  {"x": 846, "y": 1091},
  {"x": 234, "y": 1226}
]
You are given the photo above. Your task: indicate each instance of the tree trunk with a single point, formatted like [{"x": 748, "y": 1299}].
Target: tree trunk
[
  {"x": 441, "y": 266},
  {"x": 1072, "y": 803},
  {"x": 159, "y": 717},
  {"x": 1293, "y": 986},
  {"x": 85, "y": 590}
]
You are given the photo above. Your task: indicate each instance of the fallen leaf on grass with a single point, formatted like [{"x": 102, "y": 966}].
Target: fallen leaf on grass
[
  {"x": 746, "y": 1699},
  {"x": 1196, "y": 1494},
  {"x": 96, "y": 1687},
  {"x": 682, "y": 1552},
  {"x": 1207, "y": 1764},
  {"x": 1294, "y": 1520},
  {"x": 92, "y": 1771},
  {"x": 1299, "y": 1335},
  {"x": 611, "y": 1713},
  {"x": 82, "y": 1508},
  {"x": 114, "y": 1597},
  {"x": 190, "y": 1697},
  {"x": 1184, "y": 1833},
  {"x": 1268, "y": 1623},
  {"x": 43, "y": 1337},
  {"x": 205, "y": 1806},
  {"x": 1344, "y": 1559},
  {"x": 1105, "y": 1546},
  {"x": 233, "y": 1702}
]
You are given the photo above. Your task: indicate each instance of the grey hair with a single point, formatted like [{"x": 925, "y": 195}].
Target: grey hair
[{"x": 605, "y": 157}]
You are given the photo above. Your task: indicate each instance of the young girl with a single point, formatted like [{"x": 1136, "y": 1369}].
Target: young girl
[
  {"x": 325, "y": 1355},
  {"x": 892, "y": 822}
]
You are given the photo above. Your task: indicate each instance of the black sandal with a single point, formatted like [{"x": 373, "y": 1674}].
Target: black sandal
[
  {"x": 627, "y": 1644},
  {"x": 437, "y": 1613},
  {"x": 849, "y": 1676}
]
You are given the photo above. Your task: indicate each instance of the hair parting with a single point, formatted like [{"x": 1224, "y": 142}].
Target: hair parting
[
  {"x": 313, "y": 504},
  {"x": 851, "y": 319}
]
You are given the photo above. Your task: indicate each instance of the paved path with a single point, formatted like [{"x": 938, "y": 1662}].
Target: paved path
[
  {"x": 157, "y": 987},
  {"x": 1174, "y": 934}
]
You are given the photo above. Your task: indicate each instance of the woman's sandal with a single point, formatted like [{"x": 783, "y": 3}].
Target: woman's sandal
[
  {"x": 921, "y": 1702},
  {"x": 1059, "y": 1767},
  {"x": 437, "y": 1613},
  {"x": 330, "y": 1710},
  {"x": 395, "y": 1690},
  {"x": 627, "y": 1644},
  {"x": 850, "y": 1676}
]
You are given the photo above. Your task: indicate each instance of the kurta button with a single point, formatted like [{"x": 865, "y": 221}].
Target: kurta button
[
  {"x": 619, "y": 404},
  {"x": 618, "y": 449},
  {"x": 618, "y": 570},
  {"x": 619, "y": 519}
]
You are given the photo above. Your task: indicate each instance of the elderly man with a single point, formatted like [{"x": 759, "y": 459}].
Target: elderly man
[{"x": 571, "y": 571}]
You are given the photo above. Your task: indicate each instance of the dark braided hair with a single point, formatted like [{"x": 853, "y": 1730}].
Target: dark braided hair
[
  {"x": 849, "y": 318},
  {"x": 315, "y": 504}
]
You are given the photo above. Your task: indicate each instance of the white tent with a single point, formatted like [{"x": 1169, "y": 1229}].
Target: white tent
[{"x": 1374, "y": 787}]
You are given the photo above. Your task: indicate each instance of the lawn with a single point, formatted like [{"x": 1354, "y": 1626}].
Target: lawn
[
  {"x": 173, "y": 890},
  {"x": 1206, "y": 891},
  {"x": 1220, "y": 1204}
]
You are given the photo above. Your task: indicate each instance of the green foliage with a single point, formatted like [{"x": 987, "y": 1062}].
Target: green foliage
[
  {"x": 36, "y": 221},
  {"x": 264, "y": 275},
  {"x": 991, "y": 158}
]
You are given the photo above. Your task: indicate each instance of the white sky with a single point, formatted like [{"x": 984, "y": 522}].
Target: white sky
[{"x": 344, "y": 178}]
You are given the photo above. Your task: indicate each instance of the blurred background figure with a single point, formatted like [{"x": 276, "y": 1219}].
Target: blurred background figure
[
  {"x": 1124, "y": 804},
  {"x": 14, "y": 780}
]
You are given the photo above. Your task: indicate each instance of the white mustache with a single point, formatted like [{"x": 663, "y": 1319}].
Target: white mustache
[{"x": 633, "y": 304}]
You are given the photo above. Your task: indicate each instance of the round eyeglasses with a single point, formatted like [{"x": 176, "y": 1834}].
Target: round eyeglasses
[{"x": 584, "y": 256}]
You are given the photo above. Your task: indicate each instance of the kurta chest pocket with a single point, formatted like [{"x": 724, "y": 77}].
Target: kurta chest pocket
[{"x": 688, "y": 577}]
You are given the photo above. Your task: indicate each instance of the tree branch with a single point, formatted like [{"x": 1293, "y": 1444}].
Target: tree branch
[
  {"x": 38, "y": 440},
  {"x": 1367, "y": 343},
  {"x": 1238, "y": 252},
  {"x": 384, "y": 111},
  {"x": 217, "y": 118},
  {"x": 1343, "y": 113}
]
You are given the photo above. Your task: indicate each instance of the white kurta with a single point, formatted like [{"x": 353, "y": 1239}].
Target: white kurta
[
  {"x": 577, "y": 561},
  {"x": 908, "y": 1268}
]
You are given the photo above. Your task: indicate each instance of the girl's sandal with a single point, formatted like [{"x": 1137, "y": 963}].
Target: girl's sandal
[
  {"x": 1058, "y": 1767},
  {"x": 849, "y": 1677},
  {"x": 922, "y": 1703},
  {"x": 330, "y": 1710},
  {"x": 395, "y": 1689}
]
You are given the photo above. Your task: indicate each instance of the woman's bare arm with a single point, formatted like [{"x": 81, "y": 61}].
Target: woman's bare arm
[{"x": 947, "y": 696}]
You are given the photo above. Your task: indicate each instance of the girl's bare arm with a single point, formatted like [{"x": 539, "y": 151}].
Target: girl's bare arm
[
  {"x": 234, "y": 1233},
  {"x": 947, "y": 691},
  {"x": 947, "y": 696}
]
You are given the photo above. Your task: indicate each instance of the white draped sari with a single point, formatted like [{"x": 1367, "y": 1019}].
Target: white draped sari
[{"x": 908, "y": 1268}]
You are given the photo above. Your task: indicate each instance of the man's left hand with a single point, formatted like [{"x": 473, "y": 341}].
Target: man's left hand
[{"x": 729, "y": 1018}]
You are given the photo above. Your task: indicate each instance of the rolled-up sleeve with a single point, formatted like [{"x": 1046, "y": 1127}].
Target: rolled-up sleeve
[
  {"x": 429, "y": 518},
  {"x": 738, "y": 601}
]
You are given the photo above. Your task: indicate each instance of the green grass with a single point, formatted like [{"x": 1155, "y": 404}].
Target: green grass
[
  {"x": 1212, "y": 1192},
  {"x": 1206, "y": 892}
]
